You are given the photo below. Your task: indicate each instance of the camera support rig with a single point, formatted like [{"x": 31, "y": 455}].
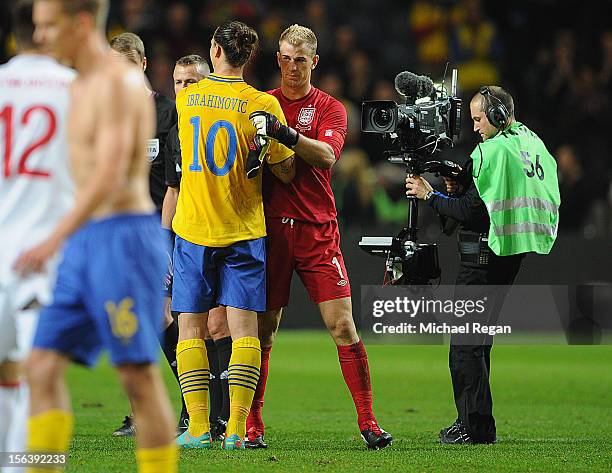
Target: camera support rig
[{"x": 408, "y": 261}]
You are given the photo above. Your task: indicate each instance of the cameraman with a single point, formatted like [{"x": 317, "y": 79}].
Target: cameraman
[{"x": 507, "y": 204}]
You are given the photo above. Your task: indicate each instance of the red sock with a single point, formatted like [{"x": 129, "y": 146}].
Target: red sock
[
  {"x": 354, "y": 365},
  {"x": 254, "y": 420}
]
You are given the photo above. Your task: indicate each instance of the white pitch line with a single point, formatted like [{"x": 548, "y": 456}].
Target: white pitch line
[{"x": 549, "y": 440}]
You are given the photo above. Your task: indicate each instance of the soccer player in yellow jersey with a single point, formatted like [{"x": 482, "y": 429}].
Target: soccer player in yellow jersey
[{"x": 219, "y": 254}]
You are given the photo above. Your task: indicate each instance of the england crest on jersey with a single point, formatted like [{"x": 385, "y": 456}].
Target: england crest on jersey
[{"x": 306, "y": 116}]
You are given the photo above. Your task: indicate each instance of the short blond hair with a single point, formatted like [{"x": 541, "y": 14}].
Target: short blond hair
[
  {"x": 297, "y": 35},
  {"x": 128, "y": 43},
  {"x": 96, "y": 8}
]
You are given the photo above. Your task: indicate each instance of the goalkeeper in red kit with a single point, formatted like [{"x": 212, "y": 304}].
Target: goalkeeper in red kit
[{"x": 302, "y": 230}]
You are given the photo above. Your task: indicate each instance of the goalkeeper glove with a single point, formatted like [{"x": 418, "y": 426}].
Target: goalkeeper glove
[
  {"x": 269, "y": 126},
  {"x": 257, "y": 151}
]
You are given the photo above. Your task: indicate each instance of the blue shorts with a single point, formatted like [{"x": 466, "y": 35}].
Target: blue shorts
[
  {"x": 205, "y": 277},
  {"x": 107, "y": 292},
  {"x": 169, "y": 274}
]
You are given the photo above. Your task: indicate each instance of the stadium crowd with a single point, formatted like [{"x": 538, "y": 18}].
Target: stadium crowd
[{"x": 560, "y": 72}]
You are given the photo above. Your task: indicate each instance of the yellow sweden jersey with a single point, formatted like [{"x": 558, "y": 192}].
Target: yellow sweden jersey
[{"x": 217, "y": 204}]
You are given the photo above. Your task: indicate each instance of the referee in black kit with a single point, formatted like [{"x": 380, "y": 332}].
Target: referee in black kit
[{"x": 131, "y": 47}]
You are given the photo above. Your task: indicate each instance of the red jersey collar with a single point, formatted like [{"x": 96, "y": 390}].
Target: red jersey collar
[{"x": 313, "y": 89}]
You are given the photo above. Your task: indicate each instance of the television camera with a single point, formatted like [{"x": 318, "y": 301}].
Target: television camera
[{"x": 413, "y": 134}]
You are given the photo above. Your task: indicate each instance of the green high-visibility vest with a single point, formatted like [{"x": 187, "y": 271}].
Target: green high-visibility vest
[{"x": 516, "y": 178}]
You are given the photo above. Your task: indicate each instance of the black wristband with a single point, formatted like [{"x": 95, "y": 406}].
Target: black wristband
[{"x": 288, "y": 136}]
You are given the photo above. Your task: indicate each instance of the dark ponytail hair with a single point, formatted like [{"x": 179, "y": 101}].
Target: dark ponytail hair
[{"x": 238, "y": 41}]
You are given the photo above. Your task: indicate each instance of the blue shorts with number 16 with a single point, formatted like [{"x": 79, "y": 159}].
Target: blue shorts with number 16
[{"x": 107, "y": 293}]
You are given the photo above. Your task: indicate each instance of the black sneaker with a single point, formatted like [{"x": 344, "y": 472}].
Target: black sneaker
[
  {"x": 375, "y": 437},
  {"x": 456, "y": 434},
  {"x": 217, "y": 429},
  {"x": 255, "y": 439},
  {"x": 450, "y": 428},
  {"x": 183, "y": 424},
  {"x": 127, "y": 429}
]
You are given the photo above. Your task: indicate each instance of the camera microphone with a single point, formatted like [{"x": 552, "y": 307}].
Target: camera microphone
[{"x": 413, "y": 86}]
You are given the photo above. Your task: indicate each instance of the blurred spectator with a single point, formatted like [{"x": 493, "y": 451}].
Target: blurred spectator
[
  {"x": 159, "y": 70},
  {"x": 605, "y": 71},
  {"x": 353, "y": 177},
  {"x": 475, "y": 46},
  {"x": 562, "y": 67},
  {"x": 317, "y": 18},
  {"x": 384, "y": 90},
  {"x": 178, "y": 29},
  {"x": 360, "y": 80},
  {"x": 578, "y": 191},
  {"x": 138, "y": 16},
  {"x": 588, "y": 101},
  {"x": 344, "y": 47},
  {"x": 270, "y": 29},
  {"x": 428, "y": 22},
  {"x": 332, "y": 84},
  {"x": 537, "y": 100},
  {"x": 353, "y": 185},
  {"x": 389, "y": 198}
]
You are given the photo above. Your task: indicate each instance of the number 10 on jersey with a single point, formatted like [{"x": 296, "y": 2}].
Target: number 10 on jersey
[{"x": 209, "y": 147}]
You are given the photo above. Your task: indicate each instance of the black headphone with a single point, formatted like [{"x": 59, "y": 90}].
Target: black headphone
[{"x": 497, "y": 114}]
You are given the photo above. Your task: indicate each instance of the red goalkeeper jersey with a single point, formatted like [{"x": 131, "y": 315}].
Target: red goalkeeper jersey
[{"x": 308, "y": 197}]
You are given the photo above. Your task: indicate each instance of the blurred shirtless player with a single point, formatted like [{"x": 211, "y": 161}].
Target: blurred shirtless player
[{"x": 107, "y": 292}]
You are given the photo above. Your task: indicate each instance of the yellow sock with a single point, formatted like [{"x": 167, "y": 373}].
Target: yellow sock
[
  {"x": 194, "y": 374},
  {"x": 158, "y": 460},
  {"x": 50, "y": 431},
  {"x": 243, "y": 376}
]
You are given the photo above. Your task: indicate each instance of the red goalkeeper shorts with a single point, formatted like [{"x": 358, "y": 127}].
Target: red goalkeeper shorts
[{"x": 310, "y": 249}]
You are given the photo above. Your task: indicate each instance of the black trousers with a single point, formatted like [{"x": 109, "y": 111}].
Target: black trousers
[{"x": 470, "y": 364}]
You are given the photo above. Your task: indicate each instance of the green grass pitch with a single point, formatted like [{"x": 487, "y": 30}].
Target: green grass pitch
[{"x": 553, "y": 406}]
